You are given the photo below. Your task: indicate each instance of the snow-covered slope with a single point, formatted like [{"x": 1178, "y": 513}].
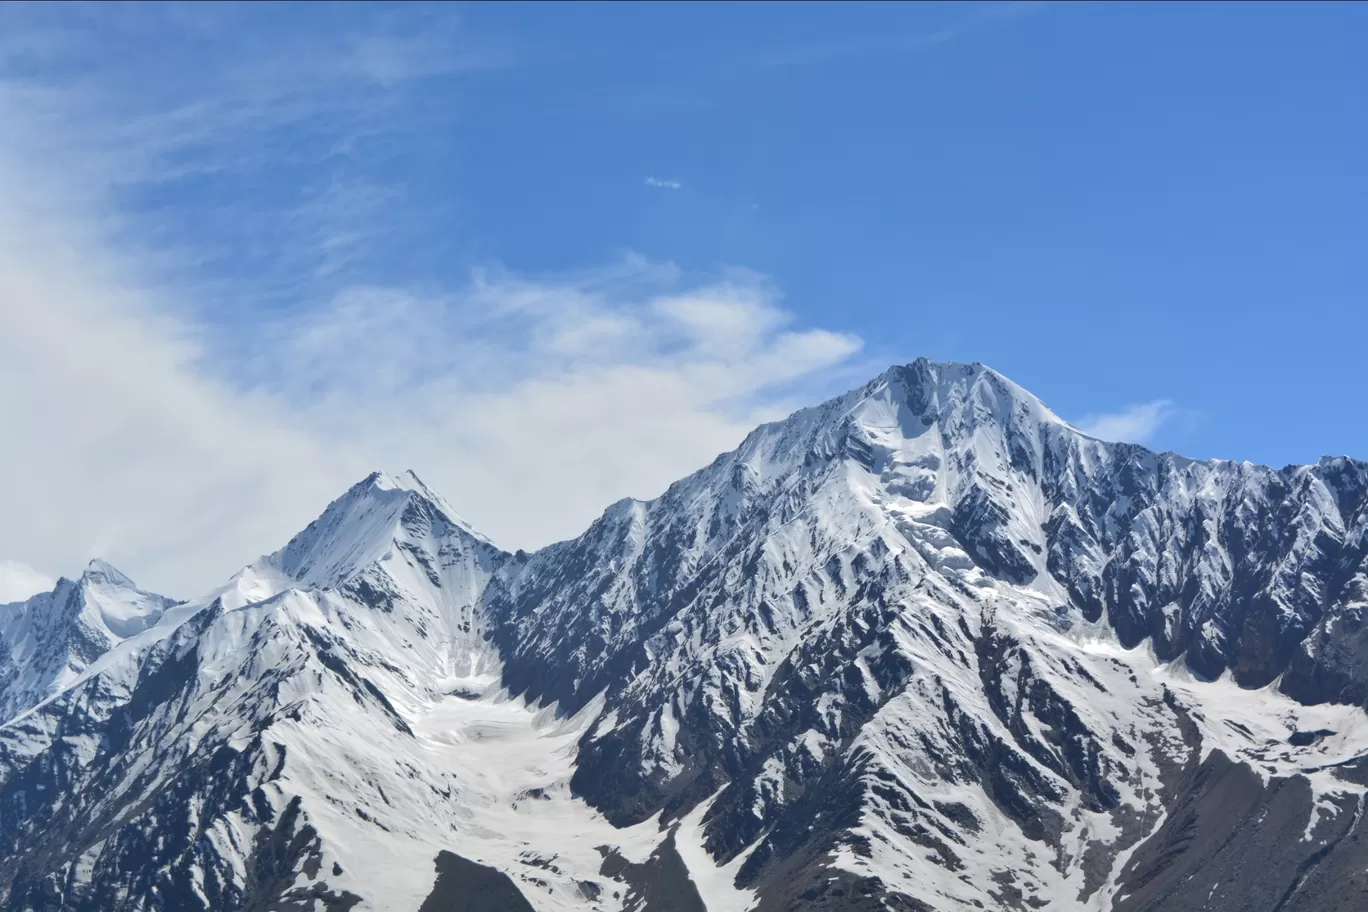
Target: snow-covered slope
[
  {"x": 49, "y": 640},
  {"x": 326, "y": 729},
  {"x": 868, "y": 627},
  {"x": 924, "y": 646}
]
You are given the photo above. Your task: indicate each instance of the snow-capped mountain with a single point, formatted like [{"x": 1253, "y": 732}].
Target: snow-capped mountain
[
  {"x": 925, "y": 646},
  {"x": 50, "y": 639}
]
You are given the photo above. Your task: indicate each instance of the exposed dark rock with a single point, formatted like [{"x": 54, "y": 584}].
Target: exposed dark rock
[
  {"x": 1231, "y": 843},
  {"x": 466, "y": 886},
  {"x": 661, "y": 883}
]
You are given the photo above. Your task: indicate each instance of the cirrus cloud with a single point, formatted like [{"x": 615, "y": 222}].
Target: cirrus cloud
[
  {"x": 143, "y": 437},
  {"x": 202, "y": 341}
]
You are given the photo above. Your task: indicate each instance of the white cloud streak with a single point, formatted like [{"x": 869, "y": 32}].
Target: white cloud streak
[
  {"x": 663, "y": 183},
  {"x": 984, "y": 16},
  {"x": 141, "y": 426},
  {"x": 531, "y": 404},
  {"x": 1132, "y": 424},
  {"x": 19, "y": 581}
]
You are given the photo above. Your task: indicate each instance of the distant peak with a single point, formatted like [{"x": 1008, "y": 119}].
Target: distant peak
[
  {"x": 100, "y": 571},
  {"x": 932, "y": 387},
  {"x": 361, "y": 525},
  {"x": 407, "y": 480},
  {"x": 377, "y": 480},
  {"x": 925, "y": 370}
]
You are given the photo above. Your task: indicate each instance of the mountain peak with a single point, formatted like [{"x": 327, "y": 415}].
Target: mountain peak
[
  {"x": 408, "y": 480},
  {"x": 362, "y": 526},
  {"x": 101, "y": 571},
  {"x": 971, "y": 389},
  {"x": 50, "y": 639}
]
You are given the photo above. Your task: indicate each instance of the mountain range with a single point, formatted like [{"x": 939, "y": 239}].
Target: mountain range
[{"x": 925, "y": 646}]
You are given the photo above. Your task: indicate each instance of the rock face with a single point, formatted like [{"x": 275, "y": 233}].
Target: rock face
[{"x": 924, "y": 646}]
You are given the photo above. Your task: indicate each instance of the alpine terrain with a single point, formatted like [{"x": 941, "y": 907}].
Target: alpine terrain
[{"x": 922, "y": 647}]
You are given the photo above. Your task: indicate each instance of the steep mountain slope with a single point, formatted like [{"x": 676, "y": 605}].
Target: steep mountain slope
[
  {"x": 317, "y": 731},
  {"x": 48, "y": 640},
  {"x": 326, "y": 729},
  {"x": 879, "y": 611},
  {"x": 925, "y": 646}
]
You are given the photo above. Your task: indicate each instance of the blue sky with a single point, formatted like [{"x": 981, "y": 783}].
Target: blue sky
[{"x": 550, "y": 255}]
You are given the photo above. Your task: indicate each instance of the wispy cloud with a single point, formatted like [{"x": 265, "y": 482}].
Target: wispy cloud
[
  {"x": 531, "y": 403},
  {"x": 269, "y": 124},
  {"x": 1132, "y": 424},
  {"x": 663, "y": 183},
  {"x": 817, "y": 53},
  {"x": 19, "y": 581},
  {"x": 205, "y": 336}
]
